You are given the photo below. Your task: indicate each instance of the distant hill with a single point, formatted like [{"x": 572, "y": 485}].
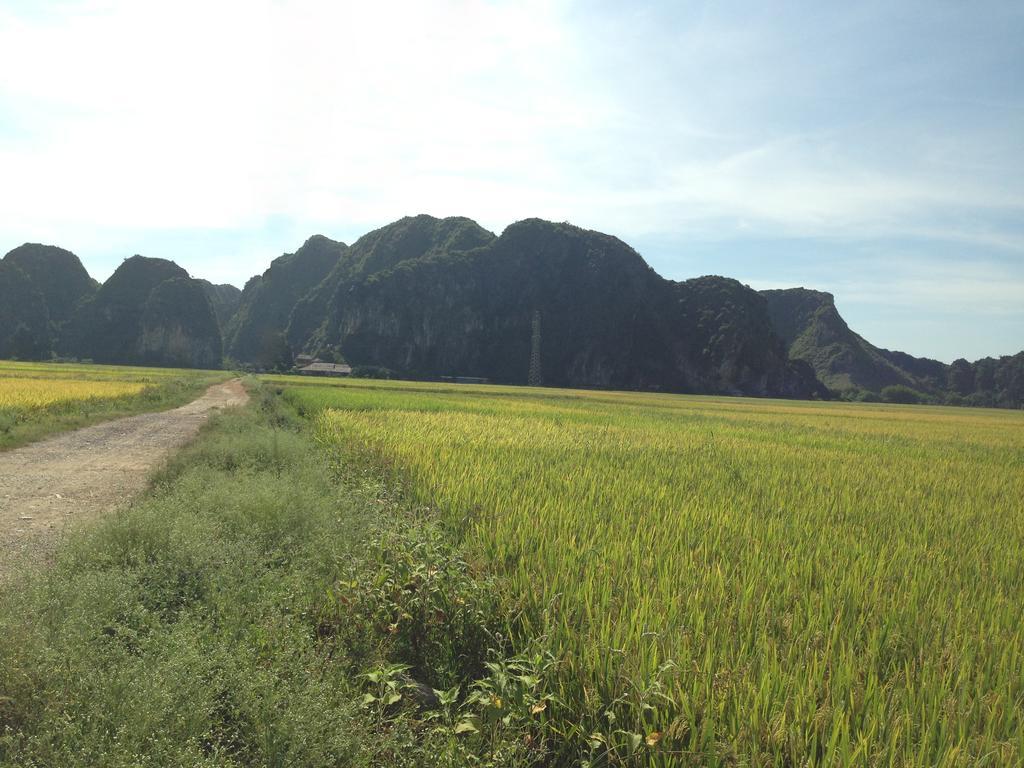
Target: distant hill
[
  {"x": 425, "y": 297},
  {"x": 408, "y": 239},
  {"x": 147, "y": 312},
  {"x": 257, "y": 329},
  {"x": 106, "y": 327},
  {"x": 179, "y": 327},
  {"x": 25, "y": 330},
  {"x": 458, "y": 301},
  {"x": 992, "y": 382},
  {"x": 813, "y": 331},
  {"x": 58, "y": 275}
]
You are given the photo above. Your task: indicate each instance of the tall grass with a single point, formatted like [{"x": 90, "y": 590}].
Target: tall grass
[{"x": 728, "y": 581}]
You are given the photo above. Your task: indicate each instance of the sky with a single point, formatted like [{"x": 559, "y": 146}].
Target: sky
[{"x": 874, "y": 150}]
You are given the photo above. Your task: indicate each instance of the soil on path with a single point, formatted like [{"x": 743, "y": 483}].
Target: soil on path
[{"x": 76, "y": 476}]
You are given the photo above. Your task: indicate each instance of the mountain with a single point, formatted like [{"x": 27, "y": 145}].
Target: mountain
[
  {"x": 25, "y": 329},
  {"x": 225, "y": 300},
  {"x": 179, "y": 327},
  {"x": 57, "y": 274},
  {"x": 465, "y": 305},
  {"x": 40, "y": 287},
  {"x": 148, "y": 312},
  {"x": 267, "y": 300},
  {"x": 813, "y": 331},
  {"x": 991, "y": 382},
  {"x": 106, "y": 327},
  {"x": 426, "y": 298},
  {"x": 410, "y": 238}
]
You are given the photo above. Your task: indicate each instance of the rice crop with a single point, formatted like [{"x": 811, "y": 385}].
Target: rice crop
[
  {"x": 25, "y": 393},
  {"x": 39, "y": 398},
  {"x": 89, "y": 371},
  {"x": 727, "y": 581}
]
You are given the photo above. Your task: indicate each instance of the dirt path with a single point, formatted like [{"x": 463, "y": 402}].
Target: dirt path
[{"x": 76, "y": 476}]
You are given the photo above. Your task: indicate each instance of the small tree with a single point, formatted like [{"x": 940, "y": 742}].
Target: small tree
[
  {"x": 275, "y": 354},
  {"x": 961, "y": 377},
  {"x": 26, "y": 345}
]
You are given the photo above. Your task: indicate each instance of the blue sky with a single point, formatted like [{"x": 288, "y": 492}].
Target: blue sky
[{"x": 874, "y": 150}]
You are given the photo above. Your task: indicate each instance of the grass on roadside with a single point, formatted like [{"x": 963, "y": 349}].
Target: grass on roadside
[{"x": 258, "y": 608}]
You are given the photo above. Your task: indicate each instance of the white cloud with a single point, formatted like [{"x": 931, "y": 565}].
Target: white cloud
[
  {"x": 203, "y": 114},
  {"x": 198, "y": 114}
]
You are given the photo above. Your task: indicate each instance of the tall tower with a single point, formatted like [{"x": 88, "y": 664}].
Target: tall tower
[{"x": 535, "y": 378}]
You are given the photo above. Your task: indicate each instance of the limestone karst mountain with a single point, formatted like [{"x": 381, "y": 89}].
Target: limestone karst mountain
[{"x": 427, "y": 297}]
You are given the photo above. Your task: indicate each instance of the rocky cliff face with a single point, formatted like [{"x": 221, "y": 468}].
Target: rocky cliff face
[
  {"x": 40, "y": 288},
  {"x": 428, "y": 297},
  {"x": 225, "y": 300},
  {"x": 268, "y": 299},
  {"x": 25, "y": 330},
  {"x": 149, "y": 312},
  {"x": 179, "y": 327},
  {"x": 106, "y": 327},
  {"x": 410, "y": 239},
  {"x": 814, "y": 332}
]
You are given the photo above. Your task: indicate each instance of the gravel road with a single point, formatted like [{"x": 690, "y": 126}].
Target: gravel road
[{"x": 74, "y": 477}]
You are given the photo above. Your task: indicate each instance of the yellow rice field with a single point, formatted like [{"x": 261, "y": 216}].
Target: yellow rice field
[
  {"x": 729, "y": 581},
  {"x": 39, "y": 398},
  {"x": 32, "y": 393}
]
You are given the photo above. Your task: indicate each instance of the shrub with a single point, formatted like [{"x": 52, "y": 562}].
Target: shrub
[{"x": 898, "y": 393}]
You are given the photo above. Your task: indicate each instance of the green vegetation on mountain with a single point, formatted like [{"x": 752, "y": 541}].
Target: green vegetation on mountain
[
  {"x": 40, "y": 287},
  {"x": 408, "y": 239},
  {"x": 425, "y": 298},
  {"x": 608, "y": 320},
  {"x": 814, "y": 332},
  {"x": 991, "y": 382},
  {"x": 57, "y": 274},
  {"x": 106, "y": 328},
  {"x": 148, "y": 312},
  {"x": 25, "y": 330},
  {"x": 179, "y": 327},
  {"x": 225, "y": 300},
  {"x": 267, "y": 301}
]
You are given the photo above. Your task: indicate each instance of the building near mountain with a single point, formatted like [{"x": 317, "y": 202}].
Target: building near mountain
[
  {"x": 326, "y": 369},
  {"x": 465, "y": 380}
]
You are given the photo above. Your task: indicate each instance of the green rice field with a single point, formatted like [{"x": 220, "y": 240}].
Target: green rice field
[{"x": 728, "y": 581}]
